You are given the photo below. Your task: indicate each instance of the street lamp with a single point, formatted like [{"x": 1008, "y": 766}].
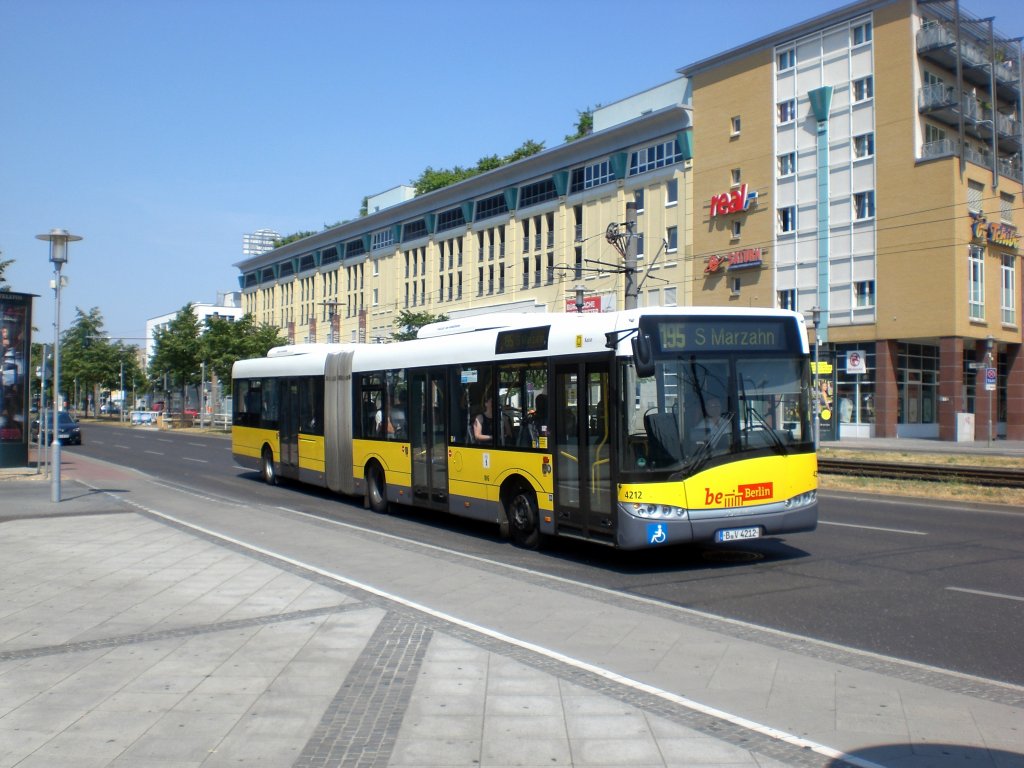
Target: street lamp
[
  {"x": 816, "y": 321},
  {"x": 58, "y": 239},
  {"x": 989, "y": 344},
  {"x": 580, "y": 291}
]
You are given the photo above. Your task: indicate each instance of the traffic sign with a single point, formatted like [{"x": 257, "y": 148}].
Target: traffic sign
[{"x": 990, "y": 379}]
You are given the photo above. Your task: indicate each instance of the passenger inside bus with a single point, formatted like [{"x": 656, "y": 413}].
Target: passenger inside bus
[{"x": 483, "y": 422}]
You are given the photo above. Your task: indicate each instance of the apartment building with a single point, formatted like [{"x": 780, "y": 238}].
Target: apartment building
[
  {"x": 864, "y": 167},
  {"x": 529, "y": 236}
]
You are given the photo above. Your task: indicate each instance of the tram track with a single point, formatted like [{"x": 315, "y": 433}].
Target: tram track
[{"x": 998, "y": 477}]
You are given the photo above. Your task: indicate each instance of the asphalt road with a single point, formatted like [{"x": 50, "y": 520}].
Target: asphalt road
[{"x": 933, "y": 582}]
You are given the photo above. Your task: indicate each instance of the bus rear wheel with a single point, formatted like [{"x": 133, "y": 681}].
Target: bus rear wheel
[
  {"x": 267, "y": 470},
  {"x": 376, "y": 489},
  {"x": 523, "y": 516}
]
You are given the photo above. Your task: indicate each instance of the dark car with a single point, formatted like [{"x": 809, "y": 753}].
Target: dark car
[{"x": 68, "y": 431}]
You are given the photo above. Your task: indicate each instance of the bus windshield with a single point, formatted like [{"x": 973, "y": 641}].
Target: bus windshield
[{"x": 698, "y": 410}]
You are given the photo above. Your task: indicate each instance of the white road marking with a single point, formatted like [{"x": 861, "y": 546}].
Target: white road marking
[
  {"x": 200, "y": 461},
  {"x": 875, "y": 528},
  {"x": 986, "y": 594},
  {"x": 696, "y": 706},
  {"x": 155, "y": 453}
]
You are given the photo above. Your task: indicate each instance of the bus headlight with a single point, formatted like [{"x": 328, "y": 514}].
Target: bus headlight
[
  {"x": 653, "y": 511},
  {"x": 803, "y": 500}
]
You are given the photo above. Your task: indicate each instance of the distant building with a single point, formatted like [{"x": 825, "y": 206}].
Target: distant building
[
  {"x": 259, "y": 242},
  {"x": 229, "y": 305}
]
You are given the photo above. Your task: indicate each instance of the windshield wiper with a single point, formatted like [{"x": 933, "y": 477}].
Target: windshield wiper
[
  {"x": 700, "y": 458},
  {"x": 779, "y": 445}
]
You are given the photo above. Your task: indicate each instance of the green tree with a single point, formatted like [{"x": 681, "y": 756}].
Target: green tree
[
  {"x": 4, "y": 264},
  {"x": 584, "y": 125},
  {"x": 432, "y": 179},
  {"x": 177, "y": 356},
  {"x": 292, "y": 238},
  {"x": 223, "y": 342},
  {"x": 89, "y": 361},
  {"x": 408, "y": 323}
]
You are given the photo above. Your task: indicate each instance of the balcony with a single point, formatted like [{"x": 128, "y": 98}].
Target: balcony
[
  {"x": 940, "y": 102},
  {"x": 937, "y": 42},
  {"x": 1007, "y": 165}
]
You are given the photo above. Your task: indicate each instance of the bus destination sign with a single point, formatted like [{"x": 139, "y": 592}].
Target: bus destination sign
[
  {"x": 723, "y": 335},
  {"x": 522, "y": 340}
]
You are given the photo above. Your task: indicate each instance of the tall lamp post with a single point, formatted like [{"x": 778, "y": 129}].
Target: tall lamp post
[
  {"x": 816, "y": 321},
  {"x": 989, "y": 345},
  {"x": 58, "y": 239}
]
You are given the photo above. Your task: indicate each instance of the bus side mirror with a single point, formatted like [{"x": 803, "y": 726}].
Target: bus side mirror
[{"x": 643, "y": 356}]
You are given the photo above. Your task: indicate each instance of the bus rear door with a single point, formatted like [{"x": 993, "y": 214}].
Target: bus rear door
[{"x": 584, "y": 488}]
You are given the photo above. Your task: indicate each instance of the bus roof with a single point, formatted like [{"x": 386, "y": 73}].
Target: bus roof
[{"x": 476, "y": 340}]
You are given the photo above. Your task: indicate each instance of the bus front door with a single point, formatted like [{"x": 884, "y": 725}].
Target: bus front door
[
  {"x": 584, "y": 500},
  {"x": 428, "y": 437}
]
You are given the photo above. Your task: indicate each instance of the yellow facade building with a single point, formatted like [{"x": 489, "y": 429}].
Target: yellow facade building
[{"x": 864, "y": 167}]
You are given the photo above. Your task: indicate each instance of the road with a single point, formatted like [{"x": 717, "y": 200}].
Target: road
[{"x": 936, "y": 583}]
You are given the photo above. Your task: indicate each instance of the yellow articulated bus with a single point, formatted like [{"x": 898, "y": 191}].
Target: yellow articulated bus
[{"x": 634, "y": 429}]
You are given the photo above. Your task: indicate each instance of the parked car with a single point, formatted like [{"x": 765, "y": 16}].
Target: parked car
[
  {"x": 68, "y": 430},
  {"x": 110, "y": 409}
]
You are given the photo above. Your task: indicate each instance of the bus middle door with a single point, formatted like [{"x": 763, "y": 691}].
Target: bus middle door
[
  {"x": 583, "y": 450},
  {"x": 428, "y": 437},
  {"x": 288, "y": 427}
]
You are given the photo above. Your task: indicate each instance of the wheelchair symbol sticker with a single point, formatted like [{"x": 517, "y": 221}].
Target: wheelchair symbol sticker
[{"x": 656, "y": 534}]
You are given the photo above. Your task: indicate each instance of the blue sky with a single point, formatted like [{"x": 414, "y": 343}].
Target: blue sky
[{"x": 163, "y": 131}]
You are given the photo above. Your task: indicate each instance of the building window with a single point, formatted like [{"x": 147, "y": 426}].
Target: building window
[
  {"x": 670, "y": 297},
  {"x": 737, "y": 228},
  {"x": 787, "y": 164},
  {"x": 591, "y": 176},
  {"x": 672, "y": 192},
  {"x": 864, "y": 205},
  {"x": 736, "y": 125},
  {"x": 538, "y": 192},
  {"x": 1006, "y": 208},
  {"x": 976, "y": 283},
  {"x": 933, "y": 134},
  {"x": 787, "y": 111},
  {"x": 672, "y": 235},
  {"x": 786, "y": 59},
  {"x": 863, "y": 146},
  {"x": 735, "y": 175},
  {"x": 657, "y": 156},
  {"x": 787, "y": 219},
  {"x": 864, "y": 293},
  {"x": 639, "y": 245},
  {"x": 787, "y": 299},
  {"x": 491, "y": 206},
  {"x": 975, "y": 193},
  {"x": 1009, "y": 300},
  {"x": 735, "y": 285},
  {"x": 862, "y": 33},
  {"x": 864, "y": 88}
]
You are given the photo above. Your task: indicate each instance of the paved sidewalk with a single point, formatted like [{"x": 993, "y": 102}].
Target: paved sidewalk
[{"x": 143, "y": 625}]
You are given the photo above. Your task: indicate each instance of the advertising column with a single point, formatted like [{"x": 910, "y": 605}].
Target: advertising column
[{"x": 15, "y": 343}]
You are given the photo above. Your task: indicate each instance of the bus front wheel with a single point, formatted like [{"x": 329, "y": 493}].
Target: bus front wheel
[
  {"x": 267, "y": 470},
  {"x": 376, "y": 489},
  {"x": 523, "y": 515}
]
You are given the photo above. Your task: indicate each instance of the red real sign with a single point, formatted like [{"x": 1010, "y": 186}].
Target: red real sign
[{"x": 735, "y": 200}]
